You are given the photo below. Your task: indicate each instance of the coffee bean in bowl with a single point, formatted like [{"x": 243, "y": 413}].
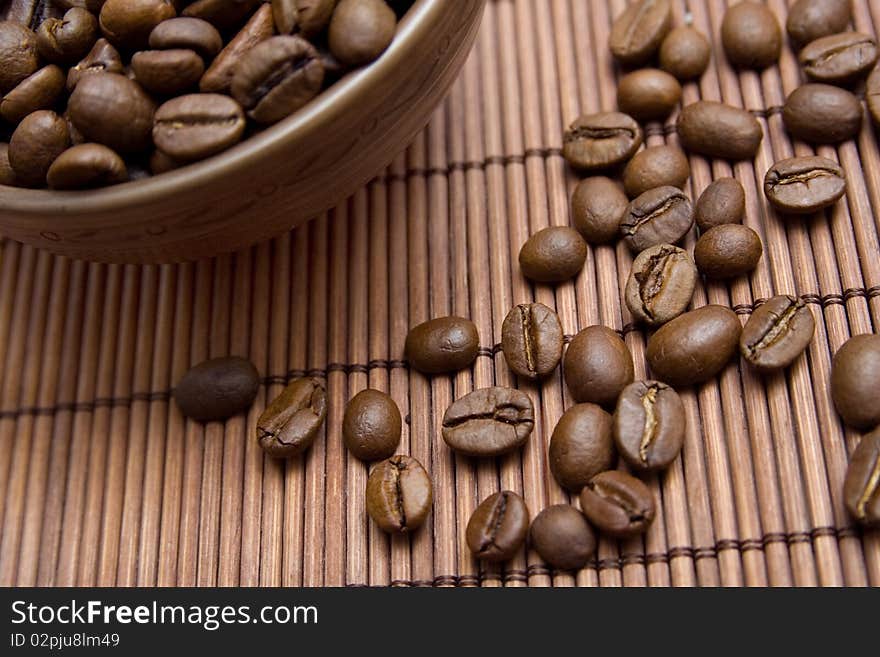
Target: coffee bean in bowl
[
  {"x": 777, "y": 332},
  {"x": 803, "y": 185},
  {"x": 399, "y": 495},
  {"x": 855, "y": 381},
  {"x": 217, "y": 389},
  {"x": 562, "y": 537},
  {"x": 291, "y": 422},
  {"x": 498, "y": 527}
]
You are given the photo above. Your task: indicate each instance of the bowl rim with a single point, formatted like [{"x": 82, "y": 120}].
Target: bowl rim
[{"x": 243, "y": 156}]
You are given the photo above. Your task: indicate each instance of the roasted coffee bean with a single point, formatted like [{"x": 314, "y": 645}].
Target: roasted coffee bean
[
  {"x": 855, "y": 381},
  {"x": 290, "y": 424},
  {"x": 553, "y": 255},
  {"x": 284, "y": 12},
  {"x": 695, "y": 346},
  {"x": 443, "y": 344},
  {"x": 685, "y": 53},
  {"x": 722, "y": 202},
  {"x": 751, "y": 35},
  {"x": 313, "y": 16},
  {"x": 562, "y": 537},
  {"x": 162, "y": 163},
  {"x": 187, "y": 33},
  {"x": 601, "y": 141},
  {"x": 659, "y": 216},
  {"x": 112, "y": 110},
  {"x": 217, "y": 389},
  {"x": 85, "y": 166},
  {"x": 399, "y": 494},
  {"x": 167, "y": 72},
  {"x": 839, "y": 58},
  {"x": 371, "y": 425},
  {"x": 801, "y": 185},
  {"x": 648, "y": 425},
  {"x": 197, "y": 126},
  {"x": 532, "y": 339},
  {"x": 597, "y": 366},
  {"x": 638, "y": 32},
  {"x": 719, "y": 130},
  {"x": 597, "y": 206},
  {"x": 7, "y": 174},
  {"x": 36, "y": 142},
  {"x": 822, "y": 114},
  {"x": 218, "y": 77},
  {"x": 361, "y": 30},
  {"x": 861, "y": 488},
  {"x": 778, "y": 331},
  {"x": 498, "y": 527},
  {"x": 102, "y": 58},
  {"x": 661, "y": 284},
  {"x": 872, "y": 95},
  {"x": 68, "y": 39},
  {"x": 277, "y": 77},
  {"x": 618, "y": 504},
  {"x": 581, "y": 446},
  {"x": 809, "y": 20},
  {"x": 489, "y": 422},
  {"x": 36, "y": 92},
  {"x": 225, "y": 15},
  {"x": 656, "y": 166},
  {"x": 648, "y": 94},
  {"x": 128, "y": 23},
  {"x": 728, "y": 251},
  {"x": 18, "y": 54}
]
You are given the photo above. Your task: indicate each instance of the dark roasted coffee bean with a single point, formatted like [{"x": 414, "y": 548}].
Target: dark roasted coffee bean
[
  {"x": 18, "y": 54},
  {"x": 7, "y": 174},
  {"x": 648, "y": 94},
  {"x": 728, "y": 251},
  {"x": 661, "y": 284},
  {"x": 638, "y": 32},
  {"x": 163, "y": 163},
  {"x": 218, "y": 77},
  {"x": 809, "y": 20},
  {"x": 313, "y": 16},
  {"x": 861, "y": 488},
  {"x": 85, "y": 166},
  {"x": 722, "y": 202},
  {"x": 801, "y": 185},
  {"x": 399, "y": 494},
  {"x": 443, "y": 344},
  {"x": 217, "y": 389},
  {"x": 648, "y": 425},
  {"x": 197, "y": 126},
  {"x": 371, "y": 425},
  {"x": 694, "y": 347},
  {"x": 562, "y": 537},
  {"x": 822, "y": 114},
  {"x": 188, "y": 34},
  {"x": 777, "y": 333},
  {"x": 36, "y": 92},
  {"x": 361, "y": 30},
  {"x": 112, "y": 110},
  {"x": 128, "y": 23},
  {"x": 223, "y": 14},
  {"x": 597, "y": 366},
  {"x": 489, "y": 422},
  {"x": 290, "y": 424},
  {"x": 685, "y": 53},
  {"x": 618, "y": 504},
  {"x": 581, "y": 446},
  {"x": 597, "y": 206},
  {"x": 553, "y": 255},
  {"x": 36, "y": 142},
  {"x": 659, "y": 216},
  {"x": 167, "y": 72},
  {"x": 872, "y": 95},
  {"x": 498, "y": 527},
  {"x": 532, "y": 339},
  {"x": 68, "y": 39},
  {"x": 839, "y": 58},
  {"x": 656, "y": 166},
  {"x": 284, "y": 12},
  {"x": 601, "y": 141},
  {"x": 719, "y": 130},
  {"x": 102, "y": 58},
  {"x": 855, "y": 381},
  {"x": 751, "y": 35}
]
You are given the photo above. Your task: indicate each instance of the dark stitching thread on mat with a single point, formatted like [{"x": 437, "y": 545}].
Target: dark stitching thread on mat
[{"x": 470, "y": 165}]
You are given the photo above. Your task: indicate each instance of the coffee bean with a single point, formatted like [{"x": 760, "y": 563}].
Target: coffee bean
[
  {"x": 695, "y": 346},
  {"x": 802, "y": 185},
  {"x": 581, "y": 446},
  {"x": 861, "y": 488},
  {"x": 648, "y": 94},
  {"x": 68, "y": 39},
  {"x": 777, "y": 333},
  {"x": 489, "y": 422},
  {"x": 7, "y": 174},
  {"x": 196, "y": 126},
  {"x": 822, "y": 114},
  {"x": 361, "y": 30},
  {"x": 313, "y": 16},
  {"x": 656, "y": 166},
  {"x": 722, "y": 202},
  {"x": 601, "y": 141},
  {"x": 532, "y": 339},
  {"x": 661, "y": 284},
  {"x": 36, "y": 92},
  {"x": 399, "y": 494},
  {"x": 618, "y": 504},
  {"x": 597, "y": 366},
  {"x": 751, "y": 35},
  {"x": 443, "y": 344},
  {"x": 562, "y": 537},
  {"x": 648, "y": 425},
  {"x": 36, "y": 142},
  {"x": 225, "y": 15},
  {"x": 290, "y": 424},
  {"x": 218, "y": 77},
  {"x": 86, "y": 166},
  {"x": 719, "y": 130},
  {"x": 128, "y": 23},
  {"x": 597, "y": 206},
  {"x": 872, "y": 95},
  {"x": 188, "y": 34},
  {"x": 217, "y": 389},
  {"x": 553, "y": 255},
  {"x": 498, "y": 527},
  {"x": 162, "y": 163},
  {"x": 685, "y": 53},
  {"x": 277, "y": 77},
  {"x": 728, "y": 251},
  {"x": 18, "y": 54},
  {"x": 809, "y": 20},
  {"x": 659, "y": 216},
  {"x": 371, "y": 425},
  {"x": 112, "y": 110},
  {"x": 855, "y": 381},
  {"x": 102, "y": 58},
  {"x": 638, "y": 32},
  {"x": 167, "y": 72},
  {"x": 839, "y": 58},
  {"x": 285, "y": 14}
]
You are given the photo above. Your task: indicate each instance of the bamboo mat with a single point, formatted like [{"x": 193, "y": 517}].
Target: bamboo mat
[{"x": 102, "y": 481}]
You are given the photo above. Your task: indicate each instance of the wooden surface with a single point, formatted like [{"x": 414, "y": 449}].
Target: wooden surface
[{"x": 103, "y": 482}]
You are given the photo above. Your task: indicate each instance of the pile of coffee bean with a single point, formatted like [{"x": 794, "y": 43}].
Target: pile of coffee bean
[{"x": 112, "y": 90}]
